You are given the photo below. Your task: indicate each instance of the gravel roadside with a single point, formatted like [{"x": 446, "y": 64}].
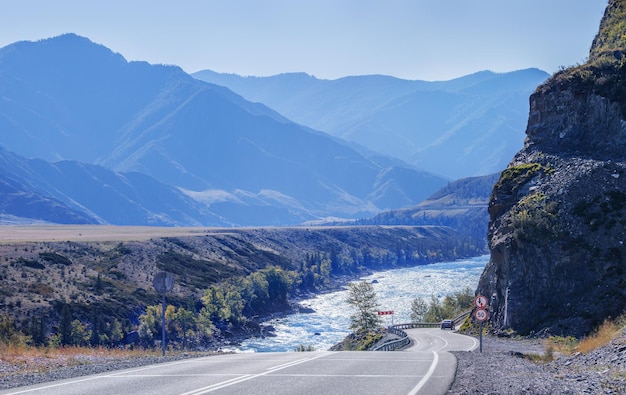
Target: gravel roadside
[
  {"x": 13, "y": 376},
  {"x": 502, "y": 369}
]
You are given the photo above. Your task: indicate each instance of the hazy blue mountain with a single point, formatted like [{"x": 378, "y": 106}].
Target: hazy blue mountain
[
  {"x": 20, "y": 204},
  {"x": 72, "y": 102},
  {"x": 461, "y": 205},
  {"x": 464, "y": 127},
  {"x": 74, "y": 192}
]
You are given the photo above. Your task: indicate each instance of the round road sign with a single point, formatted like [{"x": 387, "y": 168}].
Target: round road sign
[
  {"x": 480, "y": 301},
  {"x": 481, "y": 315},
  {"x": 163, "y": 282}
]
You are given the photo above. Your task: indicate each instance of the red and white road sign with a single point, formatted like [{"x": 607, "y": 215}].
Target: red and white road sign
[
  {"x": 480, "y": 301},
  {"x": 390, "y": 312},
  {"x": 481, "y": 315}
]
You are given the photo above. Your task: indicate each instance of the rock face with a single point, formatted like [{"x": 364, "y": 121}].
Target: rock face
[{"x": 558, "y": 212}]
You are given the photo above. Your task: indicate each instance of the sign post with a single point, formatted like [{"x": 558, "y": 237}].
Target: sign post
[
  {"x": 163, "y": 282},
  {"x": 481, "y": 315}
]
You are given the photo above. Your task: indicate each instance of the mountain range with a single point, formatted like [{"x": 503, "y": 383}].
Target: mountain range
[
  {"x": 172, "y": 149},
  {"x": 468, "y": 126},
  {"x": 461, "y": 205}
]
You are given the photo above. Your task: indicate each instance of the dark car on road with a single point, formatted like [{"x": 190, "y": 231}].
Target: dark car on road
[{"x": 447, "y": 324}]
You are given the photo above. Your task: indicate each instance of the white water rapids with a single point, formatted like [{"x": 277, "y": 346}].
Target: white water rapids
[{"x": 395, "y": 290}]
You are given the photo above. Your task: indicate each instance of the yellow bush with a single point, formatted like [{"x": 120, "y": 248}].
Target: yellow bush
[{"x": 602, "y": 336}]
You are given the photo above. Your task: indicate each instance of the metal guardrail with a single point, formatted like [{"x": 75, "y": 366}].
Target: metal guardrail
[
  {"x": 404, "y": 337},
  {"x": 461, "y": 317},
  {"x": 413, "y": 325},
  {"x": 394, "y": 344}
]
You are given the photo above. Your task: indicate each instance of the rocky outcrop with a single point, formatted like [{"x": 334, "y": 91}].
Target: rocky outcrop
[{"x": 558, "y": 212}]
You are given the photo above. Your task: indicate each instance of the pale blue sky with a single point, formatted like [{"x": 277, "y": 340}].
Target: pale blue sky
[{"x": 412, "y": 39}]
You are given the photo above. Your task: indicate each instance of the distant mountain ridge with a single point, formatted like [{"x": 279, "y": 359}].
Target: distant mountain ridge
[
  {"x": 70, "y": 192},
  {"x": 234, "y": 162},
  {"x": 460, "y": 205},
  {"x": 464, "y": 127}
]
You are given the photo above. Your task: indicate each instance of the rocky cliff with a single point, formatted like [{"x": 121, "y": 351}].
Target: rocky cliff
[{"x": 558, "y": 212}]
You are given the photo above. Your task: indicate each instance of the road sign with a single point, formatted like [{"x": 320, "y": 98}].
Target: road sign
[
  {"x": 480, "y": 301},
  {"x": 163, "y": 282},
  {"x": 390, "y": 312},
  {"x": 481, "y": 315}
]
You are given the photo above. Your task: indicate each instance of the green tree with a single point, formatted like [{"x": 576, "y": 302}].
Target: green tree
[
  {"x": 451, "y": 306},
  {"x": 279, "y": 283},
  {"x": 205, "y": 323},
  {"x": 114, "y": 332},
  {"x": 65, "y": 326},
  {"x": 185, "y": 324},
  {"x": 8, "y": 333},
  {"x": 224, "y": 302},
  {"x": 233, "y": 304},
  {"x": 80, "y": 334},
  {"x": 259, "y": 292},
  {"x": 96, "y": 335},
  {"x": 458, "y": 302},
  {"x": 435, "y": 311},
  {"x": 362, "y": 297},
  {"x": 419, "y": 308},
  {"x": 150, "y": 324},
  {"x": 38, "y": 331}
]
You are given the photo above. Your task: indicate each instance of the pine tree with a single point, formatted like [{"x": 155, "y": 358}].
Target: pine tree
[
  {"x": 65, "y": 326},
  {"x": 362, "y": 297}
]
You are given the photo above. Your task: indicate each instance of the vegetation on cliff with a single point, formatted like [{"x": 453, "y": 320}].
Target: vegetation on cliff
[{"x": 604, "y": 73}]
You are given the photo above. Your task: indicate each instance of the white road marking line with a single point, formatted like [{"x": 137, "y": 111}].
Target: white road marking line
[
  {"x": 54, "y": 385},
  {"x": 445, "y": 343},
  {"x": 287, "y": 364},
  {"x": 427, "y": 376},
  {"x": 98, "y": 376},
  {"x": 216, "y": 386},
  {"x": 247, "y": 377},
  {"x": 475, "y": 346}
]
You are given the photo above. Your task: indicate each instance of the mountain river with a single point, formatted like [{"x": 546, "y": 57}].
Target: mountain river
[{"x": 395, "y": 290}]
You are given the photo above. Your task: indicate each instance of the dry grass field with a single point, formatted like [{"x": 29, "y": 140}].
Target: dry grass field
[{"x": 38, "y": 233}]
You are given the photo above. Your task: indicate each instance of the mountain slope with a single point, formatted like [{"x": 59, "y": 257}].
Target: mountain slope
[
  {"x": 558, "y": 212},
  {"x": 460, "y": 205},
  {"x": 70, "y": 192},
  {"x": 462, "y": 127},
  {"x": 241, "y": 160}
]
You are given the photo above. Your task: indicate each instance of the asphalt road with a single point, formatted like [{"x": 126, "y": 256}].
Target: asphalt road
[{"x": 425, "y": 368}]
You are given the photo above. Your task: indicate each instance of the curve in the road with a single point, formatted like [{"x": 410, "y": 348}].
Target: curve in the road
[
  {"x": 459, "y": 343},
  {"x": 427, "y": 376}
]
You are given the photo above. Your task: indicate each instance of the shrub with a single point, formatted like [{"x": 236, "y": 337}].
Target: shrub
[
  {"x": 303, "y": 348},
  {"x": 601, "y": 337},
  {"x": 535, "y": 218},
  {"x": 9, "y": 335},
  {"x": 55, "y": 258},
  {"x": 516, "y": 176},
  {"x": 30, "y": 263}
]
